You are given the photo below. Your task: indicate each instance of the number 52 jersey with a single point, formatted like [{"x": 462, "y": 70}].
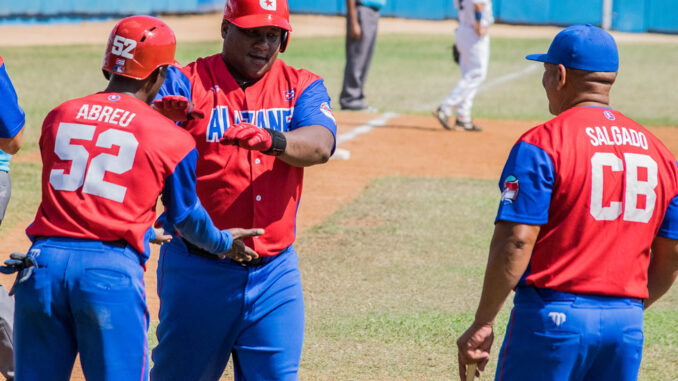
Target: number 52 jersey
[
  {"x": 106, "y": 158},
  {"x": 602, "y": 187}
]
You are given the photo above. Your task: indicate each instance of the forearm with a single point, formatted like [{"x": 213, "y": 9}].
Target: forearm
[
  {"x": 479, "y": 27},
  {"x": 510, "y": 253},
  {"x": 663, "y": 269},
  {"x": 351, "y": 13},
  {"x": 308, "y": 146},
  {"x": 13, "y": 144}
]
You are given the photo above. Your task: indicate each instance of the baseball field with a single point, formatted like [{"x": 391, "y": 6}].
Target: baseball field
[{"x": 392, "y": 233}]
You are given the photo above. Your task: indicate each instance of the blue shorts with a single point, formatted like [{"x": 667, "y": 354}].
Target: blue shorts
[
  {"x": 560, "y": 336},
  {"x": 210, "y": 309},
  {"x": 88, "y": 297}
]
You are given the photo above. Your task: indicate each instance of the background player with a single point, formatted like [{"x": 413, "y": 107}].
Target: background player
[
  {"x": 104, "y": 165},
  {"x": 584, "y": 196},
  {"x": 12, "y": 121},
  {"x": 473, "y": 43},
  {"x": 267, "y": 121},
  {"x": 362, "y": 21}
]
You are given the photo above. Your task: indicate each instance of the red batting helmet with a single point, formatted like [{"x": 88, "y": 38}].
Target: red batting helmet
[
  {"x": 249, "y": 14},
  {"x": 137, "y": 46}
]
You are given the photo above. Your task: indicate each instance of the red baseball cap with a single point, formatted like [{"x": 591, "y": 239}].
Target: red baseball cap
[{"x": 249, "y": 14}]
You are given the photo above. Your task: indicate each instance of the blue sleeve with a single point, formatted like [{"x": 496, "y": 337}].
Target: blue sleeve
[
  {"x": 313, "y": 108},
  {"x": 526, "y": 185},
  {"x": 176, "y": 83},
  {"x": 199, "y": 229},
  {"x": 669, "y": 228},
  {"x": 184, "y": 211},
  {"x": 12, "y": 117},
  {"x": 179, "y": 195}
]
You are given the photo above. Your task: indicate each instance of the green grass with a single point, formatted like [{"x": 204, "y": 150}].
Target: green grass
[{"x": 392, "y": 279}]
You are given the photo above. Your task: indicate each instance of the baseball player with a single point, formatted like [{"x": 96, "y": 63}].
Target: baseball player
[
  {"x": 362, "y": 20},
  {"x": 12, "y": 121},
  {"x": 266, "y": 122},
  {"x": 586, "y": 230},
  {"x": 473, "y": 44},
  {"x": 106, "y": 159}
]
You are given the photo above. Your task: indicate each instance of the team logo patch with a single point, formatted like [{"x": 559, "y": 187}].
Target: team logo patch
[
  {"x": 119, "y": 66},
  {"x": 114, "y": 97},
  {"x": 289, "y": 95},
  {"x": 511, "y": 189},
  {"x": 609, "y": 115},
  {"x": 558, "y": 318},
  {"x": 268, "y": 5},
  {"x": 325, "y": 109}
]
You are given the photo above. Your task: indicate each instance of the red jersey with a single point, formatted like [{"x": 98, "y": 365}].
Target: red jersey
[
  {"x": 240, "y": 187},
  {"x": 600, "y": 185},
  {"x": 105, "y": 160}
]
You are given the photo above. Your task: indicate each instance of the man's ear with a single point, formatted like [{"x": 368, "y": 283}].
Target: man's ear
[
  {"x": 562, "y": 76},
  {"x": 224, "y": 28}
]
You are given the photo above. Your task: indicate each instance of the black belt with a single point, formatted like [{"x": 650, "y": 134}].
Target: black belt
[
  {"x": 376, "y": 9},
  {"x": 116, "y": 243},
  {"x": 195, "y": 250}
]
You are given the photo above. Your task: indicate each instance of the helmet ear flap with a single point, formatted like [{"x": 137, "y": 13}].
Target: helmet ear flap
[{"x": 285, "y": 38}]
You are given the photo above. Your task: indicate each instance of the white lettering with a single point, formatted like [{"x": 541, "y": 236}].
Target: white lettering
[
  {"x": 125, "y": 123},
  {"x": 616, "y": 136},
  {"x": 115, "y": 116},
  {"x": 105, "y": 114},
  {"x": 601, "y": 136},
  {"x": 94, "y": 112},
  {"x": 590, "y": 133},
  {"x": 82, "y": 114},
  {"x": 598, "y": 161},
  {"x": 636, "y": 187},
  {"x": 619, "y": 136},
  {"x": 643, "y": 140}
]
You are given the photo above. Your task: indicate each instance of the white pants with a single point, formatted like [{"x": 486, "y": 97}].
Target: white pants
[{"x": 474, "y": 58}]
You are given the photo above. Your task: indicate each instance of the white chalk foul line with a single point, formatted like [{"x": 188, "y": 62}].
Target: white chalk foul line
[
  {"x": 508, "y": 77},
  {"x": 381, "y": 120},
  {"x": 365, "y": 128}
]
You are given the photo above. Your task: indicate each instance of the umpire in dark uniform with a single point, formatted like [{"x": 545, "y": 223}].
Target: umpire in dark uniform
[{"x": 362, "y": 19}]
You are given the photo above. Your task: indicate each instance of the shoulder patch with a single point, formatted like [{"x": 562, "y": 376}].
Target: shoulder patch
[
  {"x": 327, "y": 110},
  {"x": 511, "y": 189}
]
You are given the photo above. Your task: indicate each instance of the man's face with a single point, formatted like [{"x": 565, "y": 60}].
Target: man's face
[{"x": 250, "y": 52}]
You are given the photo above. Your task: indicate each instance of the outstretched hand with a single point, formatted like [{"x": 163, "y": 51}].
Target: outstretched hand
[
  {"x": 160, "y": 236},
  {"x": 474, "y": 347},
  {"x": 248, "y": 136},
  {"x": 239, "y": 251},
  {"x": 177, "y": 108}
]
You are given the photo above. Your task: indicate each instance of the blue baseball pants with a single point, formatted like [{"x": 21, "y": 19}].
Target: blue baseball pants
[
  {"x": 88, "y": 297},
  {"x": 560, "y": 336},
  {"x": 210, "y": 309}
]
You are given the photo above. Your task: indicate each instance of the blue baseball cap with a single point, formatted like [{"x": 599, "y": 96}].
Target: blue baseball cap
[{"x": 583, "y": 47}]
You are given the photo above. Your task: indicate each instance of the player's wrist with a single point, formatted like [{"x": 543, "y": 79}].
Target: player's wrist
[{"x": 278, "y": 143}]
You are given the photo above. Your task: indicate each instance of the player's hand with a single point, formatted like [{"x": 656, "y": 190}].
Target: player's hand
[
  {"x": 177, "y": 108},
  {"x": 355, "y": 32},
  {"x": 160, "y": 236},
  {"x": 239, "y": 251},
  {"x": 248, "y": 136},
  {"x": 474, "y": 347},
  {"x": 480, "y": 29}
]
